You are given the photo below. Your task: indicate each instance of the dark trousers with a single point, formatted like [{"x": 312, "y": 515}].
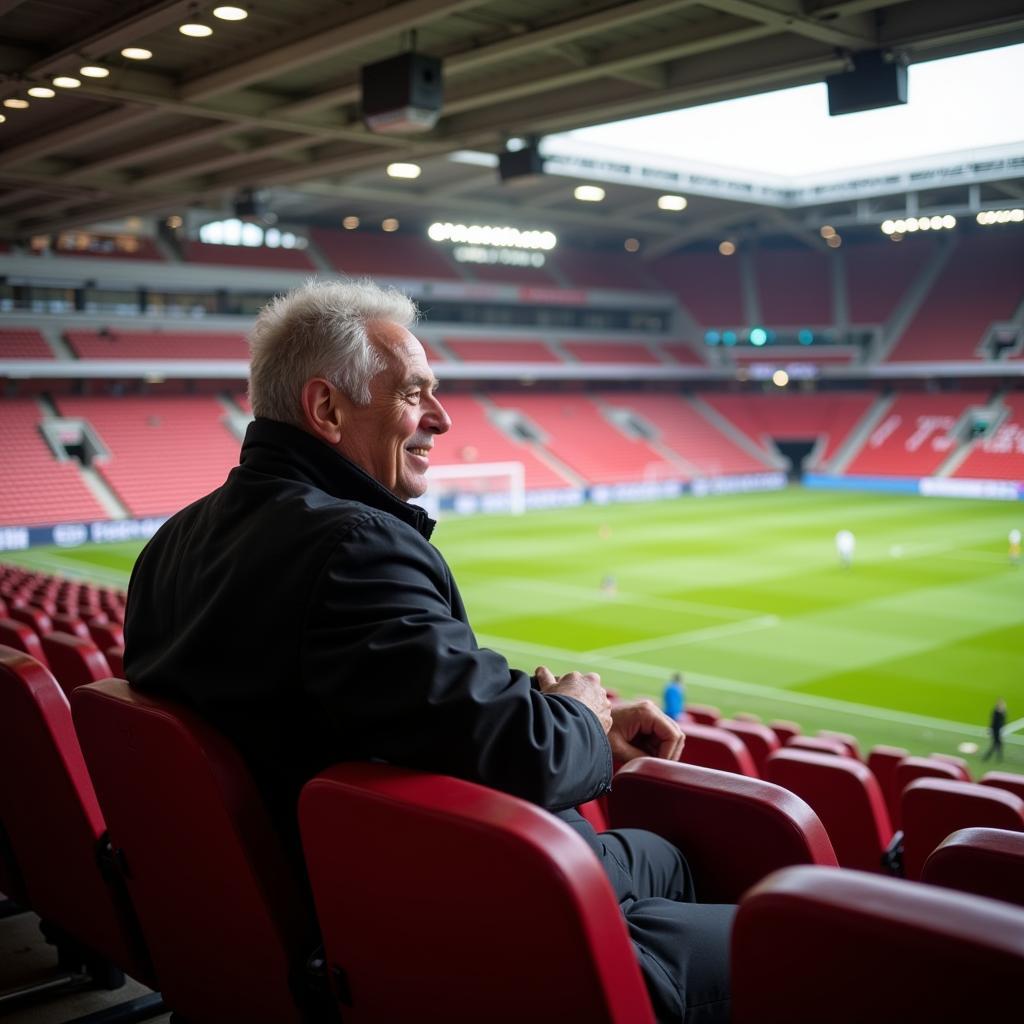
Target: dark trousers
[
  {"x": 995, "y": 747},
  {"x": 682, "y": 946}
]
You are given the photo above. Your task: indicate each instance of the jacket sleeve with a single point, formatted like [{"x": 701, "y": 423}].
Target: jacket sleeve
[{"x": 400, "y": 677}]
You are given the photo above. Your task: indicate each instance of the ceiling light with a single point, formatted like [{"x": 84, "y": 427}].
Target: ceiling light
[
  {"x": 94, "y": 71},
  {"x": 404, "y": 170},
  {"x": 726, "y": 248},
  {"x": 195, "y": 29},
  {"x": 589, "y": 193},
  {"x": 888, "y": 227},
  {"x": 66, "y": 82},
  {"x": 2, "y": 118},
  {"x": 834, "y": 241},
  {"x": 350, "y": 223},
  {"x": 827, "y": 231},
  {"x": 174, "y": 221},
  {"x": 41, "y": 92},
  {"x": 226, "y": 13},
  {"x": 632, "y": 245},
  {"x": 136, "y": 53},
  {"x": 780, "y": 378},
  {"x": 15, "y": 103},
  {"x": 389, "y": 224},
  {"x": 672, "y": 202}
]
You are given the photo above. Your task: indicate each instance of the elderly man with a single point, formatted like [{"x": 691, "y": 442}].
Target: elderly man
[{"x": 301, "y": 609}]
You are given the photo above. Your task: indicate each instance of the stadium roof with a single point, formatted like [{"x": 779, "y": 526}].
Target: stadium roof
[{"x": 273, "y": 102}]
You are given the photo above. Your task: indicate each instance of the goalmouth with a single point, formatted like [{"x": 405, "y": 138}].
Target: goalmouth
[{"x": 475, "y": 487}]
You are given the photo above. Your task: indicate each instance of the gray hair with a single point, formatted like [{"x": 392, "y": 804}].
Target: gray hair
[{"x": 319, "y": 330}]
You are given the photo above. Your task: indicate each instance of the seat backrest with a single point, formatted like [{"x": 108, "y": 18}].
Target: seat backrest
[
  {"x": 933, "y": 809},
  {"x": 22, "y": 638},
  {"x": 1009, "y": 781},
  {"x": 759, "y": 740},
  {"x": 216, "y": 899},
  {"x": 733, "y": 829},
  {"x": 52, "y": 820},
  {"x": 958, "y": 763},
  {"x": 703, "y": 714},
  {"x": 747, "y": 716},
  {"x": 115, "y": 659},
  {"x": 848, "y": 740},
  {"x": 711, "y": 747},
  {"x": 72, "y": 624},
  {"x": 882, "y": 760},
  {"x": 106, "y": 634},
  {"x": 35, "y": 618},
  {"x": 819, "y": 745},
  {"x": 911, "y": 768},
  {"x": 984, "y": 861},
  {"x": 847, "y": 947},
  {"x": 443, "y": 901},
  {"x": 74, "y": 661},
  {"x": 845, "y": 796},
  {"x": 784, "y": 729}
]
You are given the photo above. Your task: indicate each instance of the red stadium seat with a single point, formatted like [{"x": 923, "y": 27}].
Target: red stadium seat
[
  {"x": 882, "y": 761},
  {"x": 22, "y": 638},
  {"x": 984, "y": 861},
  {"x": 64, "y": 623},
  {"x": 847, "y": 947},
  {"x": 958, "y": 763},
  {"x": 106, "y": 634},
  {"x": 847, "y": 740},
  {"x": 703, "y": 714},
  {"x": 734, "y": 829},
  {"x": 361, "y": 822},
  {"x": 1009, "y": 781},
  {"x": 911, "y": 768},
  {"x": 115, "y": 659},
  {"x": 74, "y": 661},
  {"x": 230, "y": 931},
  {"x": 819, "y": 745},
  {"x": 711, "y": 747},
  {"x": 746, "y": 716},
  {"x": 845, "y": 796},
  {"x": 759, "y": 740},
  {"x": 933, "y": 809},
  {"x": 55, "y": 828},
  {"x": 34, "y": 618},
  {"x": 784, "y": 730}
]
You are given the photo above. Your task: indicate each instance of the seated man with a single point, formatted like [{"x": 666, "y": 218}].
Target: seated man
[{"x": 302, "y": 611}]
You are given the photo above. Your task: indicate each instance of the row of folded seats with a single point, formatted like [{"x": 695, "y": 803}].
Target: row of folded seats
[{"x": 440, "y": 900}]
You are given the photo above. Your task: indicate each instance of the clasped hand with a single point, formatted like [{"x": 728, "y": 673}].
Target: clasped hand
[{"x": 636, "y": 728}]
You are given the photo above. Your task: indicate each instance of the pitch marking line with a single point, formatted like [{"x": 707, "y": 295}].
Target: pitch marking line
[
  {"x": 572, "y": 658},
  {"x": 72, "y": 568},
  {"x": 1013, "y": 726},
  {"x": 692, "y": 636}
]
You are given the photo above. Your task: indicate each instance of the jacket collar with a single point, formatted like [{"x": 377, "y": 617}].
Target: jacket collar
[{"x": 287, "y": 451}]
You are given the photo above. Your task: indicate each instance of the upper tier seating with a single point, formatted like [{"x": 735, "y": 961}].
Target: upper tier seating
[
  {"x": 23, "y": 343},
  {"x": 879, "y": 274},
  {"x": 709, "y": 288},
  {"x": 37, "y": 489},
  {"x": 165, "y": 452},
  {"x": 477, "y": 439},
  {"x": 683, "y": 429},
  {"x": 1000, "y": 456},
  {"x": 794, "y": 287},
  {"x": 983, "y": 282},
  {"x": 579, "y": 435},
  {"x": 610, "y": 352},
  {"x": 500, "y": 350},
  {"x": 117, "y": 344},
  {"x": 681, "y": 352},
  {"x": 794, "y": 417},
  {"x": 133, "y": 249},
  {"x": 596, "y": 268},
  {"x": 257, "y": 257},
  {"x": 499, "y": 273},
  {"x": 384, "y": 255},
  {"x": 784, "y": 355},
  {"x": 911, "y": 439}
]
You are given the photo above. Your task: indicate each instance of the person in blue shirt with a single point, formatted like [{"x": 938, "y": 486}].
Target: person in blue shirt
[{"x": 674, "y": 697}]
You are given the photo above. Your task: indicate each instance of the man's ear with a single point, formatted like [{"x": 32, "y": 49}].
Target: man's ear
[{"x": 322, "y": 409}]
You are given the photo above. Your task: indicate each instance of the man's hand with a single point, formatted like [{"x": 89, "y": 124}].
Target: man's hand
[
  {"x": 640, "y": 729},
  {"x": 584, "y": 686}
]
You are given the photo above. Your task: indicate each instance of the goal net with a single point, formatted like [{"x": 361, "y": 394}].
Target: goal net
[{"x": 475, "y": 487}]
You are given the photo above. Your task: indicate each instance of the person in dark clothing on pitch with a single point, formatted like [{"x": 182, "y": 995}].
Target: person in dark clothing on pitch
[
  {"x": 301, "y": 609},
  {"x": 995, "y": 728}
]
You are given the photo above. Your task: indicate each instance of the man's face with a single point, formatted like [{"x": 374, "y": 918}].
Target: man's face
[{"x": 391, "y": 438}]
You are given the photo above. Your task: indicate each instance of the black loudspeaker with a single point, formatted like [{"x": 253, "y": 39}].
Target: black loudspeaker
[
  {"x": 522, "y": 164},
  {"x": 249, "y": 205},
  {"x": 403, "y": 93},
  {"x": 877, "y": 80}
]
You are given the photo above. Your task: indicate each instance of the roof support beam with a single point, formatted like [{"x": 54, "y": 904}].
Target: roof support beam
[{"x": 854, "y": 31}]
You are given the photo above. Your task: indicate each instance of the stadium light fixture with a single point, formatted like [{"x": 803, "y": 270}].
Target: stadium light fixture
[
  {"x": 672, "y": 202},
  {"x": 631, "y": 245},
  {"x": 136, "y": 53},
  {"x": 350, "y": 223},
  {"x": 389, "y": 224},
  {"x": 834, "y": 241},
  {"x": 727, "y": 248},
  {"x": 2, "y": 118},
  {"x": 67, "y": 82},
  {"x": 228, "y": 13},
  {"x": 589, "y": 193},
  {"x": 758, "y": 336},
  {"x": 780, "y": 378},
  {"x": 400, "y": 170},
  {"x": 195, "y": 29},
  {"x": 41, "y": 92},
  {"x": 827, "y": 231},
  {"x": 15, "y": 103},
  {"x": 94, "y": 71},
  {"x": 499, "y": 237},
  {"x": 1011, "y": 216}
]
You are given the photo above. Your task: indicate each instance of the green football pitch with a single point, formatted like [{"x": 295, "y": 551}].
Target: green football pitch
[{"x": 744, "y": 594}]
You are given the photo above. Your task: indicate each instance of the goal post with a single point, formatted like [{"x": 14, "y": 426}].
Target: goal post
[{"x": 476, "y": 487}]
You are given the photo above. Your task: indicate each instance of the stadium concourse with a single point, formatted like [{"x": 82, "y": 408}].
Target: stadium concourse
[{"x": 671, "y": 381}]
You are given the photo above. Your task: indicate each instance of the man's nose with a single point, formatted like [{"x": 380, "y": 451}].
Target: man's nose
[{"x": 437, "y": 419}]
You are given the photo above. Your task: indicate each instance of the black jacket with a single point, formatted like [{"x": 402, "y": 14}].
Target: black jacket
[{"x": 301, "y": 609}]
